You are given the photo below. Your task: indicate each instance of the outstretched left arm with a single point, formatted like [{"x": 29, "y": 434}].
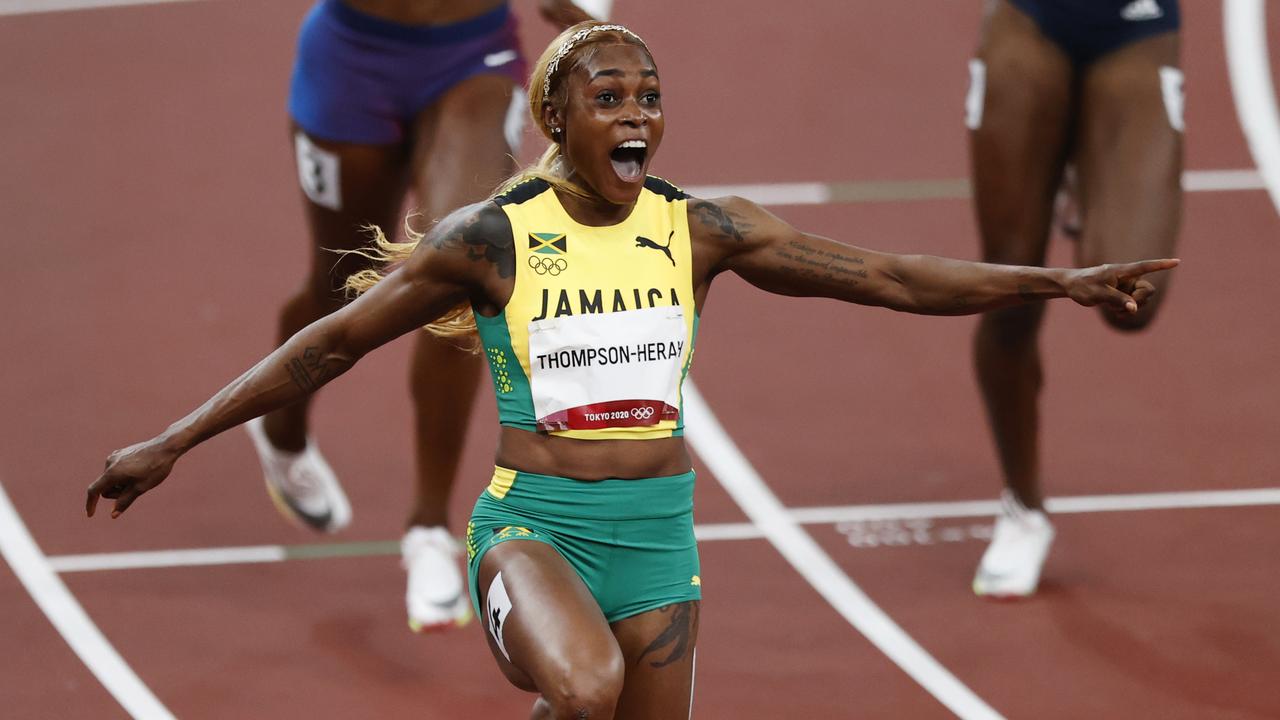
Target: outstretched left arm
[{"x": 745, "y": 239}]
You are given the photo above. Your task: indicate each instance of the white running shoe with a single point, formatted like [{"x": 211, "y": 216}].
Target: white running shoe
[
  {"x": 436, "y": 596},
  {"x": 301, "y": 484},
  {"x": 1010, "y": 568}
]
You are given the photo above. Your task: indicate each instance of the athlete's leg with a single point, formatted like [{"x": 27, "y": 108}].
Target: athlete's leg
[
  {"x": 547, "y": 632},
  {"x": 1017, "y": 148},
  {"x": 1130, "y": 157},
  {"x": 1017, "y": 153},
  {"x": 459, "y": 157},
  {"x": 658, "y": 648},
  {"x": 345, "y": 186}
]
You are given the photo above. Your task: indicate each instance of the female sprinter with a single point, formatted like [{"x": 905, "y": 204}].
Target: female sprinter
[
  {"x": 389, "y": 95},
  {"x": 585, "y": 278},
  {"x": 1097, "y": 82}
]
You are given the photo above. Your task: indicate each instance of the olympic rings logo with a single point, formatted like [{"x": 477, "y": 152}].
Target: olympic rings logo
[
  {"x": 642, "y": 413},
  {"x": 548, "y": 266}
]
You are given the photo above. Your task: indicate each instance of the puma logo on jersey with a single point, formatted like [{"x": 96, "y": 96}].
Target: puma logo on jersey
[{"x": 645, "y": 242}]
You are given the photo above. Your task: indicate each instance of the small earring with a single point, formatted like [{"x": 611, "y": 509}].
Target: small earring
[{"x": 556, "y": 131}]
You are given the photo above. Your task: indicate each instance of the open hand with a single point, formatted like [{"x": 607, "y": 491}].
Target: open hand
[
  {"x": 1120, "y": 286},
  {"x": 130, "y": 473}
]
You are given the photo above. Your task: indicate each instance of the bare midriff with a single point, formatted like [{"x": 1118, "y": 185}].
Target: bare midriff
[
  {"x": 545, "y": 454},
  {"x": 424, "y": 12}
]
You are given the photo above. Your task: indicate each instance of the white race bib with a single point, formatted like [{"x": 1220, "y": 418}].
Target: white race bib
[{"x": 605, "y": 370}]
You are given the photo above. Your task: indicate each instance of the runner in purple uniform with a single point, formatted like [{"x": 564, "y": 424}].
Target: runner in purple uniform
[{"x": 388, "y": 97}]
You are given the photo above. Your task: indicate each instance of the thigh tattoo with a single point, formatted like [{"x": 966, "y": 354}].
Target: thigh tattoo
[{"x": 677, "y": 639}]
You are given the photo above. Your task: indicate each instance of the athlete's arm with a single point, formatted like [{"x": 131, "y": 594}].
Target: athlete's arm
[
  {"x": 737, "y": 235},
  {"x": 462, "y": 258}
]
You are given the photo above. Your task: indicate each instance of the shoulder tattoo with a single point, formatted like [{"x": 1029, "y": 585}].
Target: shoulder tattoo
[
  {"x": 485, "y": 236},
  {"x": 724, "y": 223}
]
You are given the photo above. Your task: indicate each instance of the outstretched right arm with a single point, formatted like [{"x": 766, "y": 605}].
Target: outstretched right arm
[{"x": 442, "y": 272}]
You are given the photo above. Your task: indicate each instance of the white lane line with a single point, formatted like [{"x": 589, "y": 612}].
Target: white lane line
[
  {"x": 59, "y": 605},
  {"x": 1222, "y": 180},
  {"x": 28, "y": 7},
  {"x": 800, "y": 193},
  {"x": 597, "y": 8},
  {"x": 710, "y": 532},
  {"x": 1244, "y": 29},
  {"x": 741, "y": 481},
  {"x": 862, "y": 191},
  {"x": 1057, "y": 505},
  {"x": 1164, "y": 501},
  {"x": 169, "y": 558}
]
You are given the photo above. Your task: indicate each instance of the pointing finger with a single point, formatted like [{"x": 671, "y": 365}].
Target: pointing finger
[{"x": 1144, "y": 267}]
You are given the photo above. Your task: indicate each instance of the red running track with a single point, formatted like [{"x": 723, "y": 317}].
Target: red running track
[{"x": 151, "y": 226}]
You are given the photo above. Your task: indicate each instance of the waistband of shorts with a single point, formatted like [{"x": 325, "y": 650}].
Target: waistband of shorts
[
  {"x": 609, "y": 499},
  {"x": 470, "y": 29}
]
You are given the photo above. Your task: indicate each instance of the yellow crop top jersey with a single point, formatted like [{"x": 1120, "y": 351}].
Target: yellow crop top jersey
[{"x": 598, "y": 336}]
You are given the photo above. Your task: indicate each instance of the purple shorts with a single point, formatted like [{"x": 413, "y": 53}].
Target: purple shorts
[{"x": 362, "y": 79}]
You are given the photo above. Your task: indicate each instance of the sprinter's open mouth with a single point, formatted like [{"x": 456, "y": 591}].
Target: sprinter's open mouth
[{"x": 628, "y": 159}]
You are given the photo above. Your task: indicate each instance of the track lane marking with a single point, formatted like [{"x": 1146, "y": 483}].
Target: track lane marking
[
  {"x": 69, "y": 618},
  {"x": 735, "y": 473},
  {"x": 1244, "y": 30},
  {"x": 32, "y": 7},
  {"x": 864, "y": 191},
  {"x": 710, "y": 532},
  {"x": 1191, "y": 500},
  {"x": 596, "y": 8},
  {"x": 193, "y": 557}
]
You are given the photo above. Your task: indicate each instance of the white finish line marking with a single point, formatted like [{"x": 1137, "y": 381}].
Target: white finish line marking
[
  {"x": 713, "y": 532},
  {"x": 169, "y": 558},
  {"x": 59, "y": 605}
]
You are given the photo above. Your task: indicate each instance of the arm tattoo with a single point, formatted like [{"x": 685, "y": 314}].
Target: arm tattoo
[
  {"x": 680, "y": 634},
  {"x": 809, "y": 263},
  {"x": 722, "y": 222},
  {"x": 309, "y": 371},
  {"x": 483, "y": 235}
]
